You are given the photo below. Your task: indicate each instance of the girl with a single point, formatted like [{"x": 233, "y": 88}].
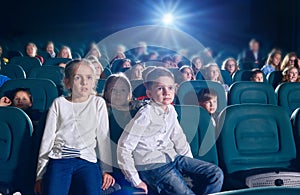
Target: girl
[
  {"x": 273, "y": 62},
  {"x": 196, "y": 64},
  {"x": 136, "y": 70},
  {"x": 289, "y": 60},
  {"x": 76, "y": 135},
  {"x": 213, "y": 73},
  {"x": 290, "y": 74},
  {"x": 187, "y": 73},
  {"x": 230, "y": 65},
  {"x": 31, "y": 51}
]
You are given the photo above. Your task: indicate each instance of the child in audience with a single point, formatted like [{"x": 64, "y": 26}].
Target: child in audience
[
  {"x": 208, "y": 99},
  {"x": 64, "y": 52},
  {"x": 273, "y": 62},
  {"x": 31, "y": 51},
  {"x": 230, "y": 65},
  {"x": 290, "y": 59},
  {"x": 257, "y": 75},
  {"x": 153, "y": 152},
  {"x": 187, "y": 73},
  {"x": 98, "y": 66},
  {"x": 136, "y": 70},
  {"x": 76, "y": 135},
  {"x": 213, "y": 73},
  {"x": 290, "y": 74},
  {"x": 50, "y": 49},
  {"x": 196, "y": 64}
]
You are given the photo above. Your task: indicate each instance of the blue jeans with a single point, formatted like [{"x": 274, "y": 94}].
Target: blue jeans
[
  {"x": 85, "y": 176},
  {"x": 204, "y": 177}
]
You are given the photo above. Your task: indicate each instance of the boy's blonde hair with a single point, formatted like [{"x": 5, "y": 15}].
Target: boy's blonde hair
[{"x": 154, "y": 74}]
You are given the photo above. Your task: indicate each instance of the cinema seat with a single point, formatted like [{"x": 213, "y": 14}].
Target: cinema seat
[
  {"x": 199, "y": 130},
  {"x": 256, "y": 146},
  {"x": 288, "y": 96},
  {"x": 27, "y": 63},
  {"x": 251, "y": 92},
  {"x": 243, "y": 75},
  {"x": 13, "y": 71},
  {"x": 274, "y": 78},
  {"x": 17, "y": 167},
  {"x": 187, "y": 92},
  {"x": 262, "y": 191},
  {"x": 56, "y": 61},
  {"x": 295, "y": 120}
]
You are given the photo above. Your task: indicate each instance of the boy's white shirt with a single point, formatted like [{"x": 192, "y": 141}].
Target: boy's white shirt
[
  {"x": 83, "y": 126},
  {"x": 151, "y": 137}
]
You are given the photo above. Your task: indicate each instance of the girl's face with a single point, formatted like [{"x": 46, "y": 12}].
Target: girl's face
[
  {"x": 230, "y": 67},
  {"x": 82, "y": 83},
  {"x": 126, "y": 64},
  {"x": 292, "y": 61},
  {"x": 65, "y": 53},
  {"x": 210, "y": 105},
  {"x": 137, "y": 72},
  {"x": 98, "y": 70},
  {"x": 293, "y": 75},
  {"x": 198, "y": 63},
  {"x": 213, "y": 73},
  {"x": 118, "y": 93},
  {"x": 31, "y": 50},
  {"x": 187, "y": 74},
  {"x": 276, "y": 59},
  {"x": 95, "y": 53},
  {"x": 22, "y": 100}
]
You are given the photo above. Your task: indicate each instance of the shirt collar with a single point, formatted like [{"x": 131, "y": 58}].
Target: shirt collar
[{"x": 158, "y": 110}]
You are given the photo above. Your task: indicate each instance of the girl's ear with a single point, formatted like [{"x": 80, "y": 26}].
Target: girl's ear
[
  {"x": 67, "y": 83},
  {"x": 148, "y": 93}
]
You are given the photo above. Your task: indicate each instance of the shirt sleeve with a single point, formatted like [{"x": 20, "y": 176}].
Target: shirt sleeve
[
  {"x": 103, "y": 139},
  {"x": 127, "y": 144},
  {"x": 47, "y": 141},
  {"x": 181, "y": 145}
]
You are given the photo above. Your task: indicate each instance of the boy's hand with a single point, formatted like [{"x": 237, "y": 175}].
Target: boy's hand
[
  {"x": 107, "y": 181},
  {"x": 38, "y": 187},
  {"x": 143, "y": 186},
  {"x": 5, "y": 101}
]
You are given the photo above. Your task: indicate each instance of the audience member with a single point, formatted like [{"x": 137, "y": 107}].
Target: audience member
[
  {"x": 253, "y": 54},
  {"x": 290, "y": 74},
  {"x": 135, "y": 72},
  {"x": 31, "y": 51},
  {"x": 98, "y": 66},
  {"x": 187, "y": 73},
  {"x": 64, "y": 52},
  {"x": 257, "y": 75},
  {"x": 94, "y": 51},
  {"x": 212, "y": 72},
  {"x": 153, "y": 150},
  {"x": 70, "y": 146},
  {"x": 273, "y": 62},
  {"x": 50, "y": 49},
  {"x": 208, "y": 99},
  {"x": 141, "y": 52},
  {"x": 196, "y": 64},
  {"x": 230, "y": 64},
  {"x": 168, "y": 62},
  {"x": 121, "y": 65},
  {"x": 290, "y": 59}
]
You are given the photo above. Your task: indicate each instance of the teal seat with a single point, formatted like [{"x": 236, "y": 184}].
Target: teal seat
[
  {"x": 295, "y": 119},
  {"x": 275, "y": 78},
  {"x": 199, "y": 130},
  {"x": 288, "y": 96},
  {"x": 27, "y": 63},
  {"x": 100, "y": 86},
  {"x": 226, "y": 77},
  {"x": 187, "y": 92},
  {"x": 251, "y": 92},
  {"x": 243, "y": 75},
  {"x": 54, "y": 73},
  {"x": 106, "y": 73},
  {"x": 56, "y": 61},
  {"x": 17, "y": 167},
  {"x": 13, "y": 71},
  {"x": 254, "y": 139},
  {"x": 262, "y": 191},
  {"x": 43, "y": 91},
  {"x": 138, "y": 88}
]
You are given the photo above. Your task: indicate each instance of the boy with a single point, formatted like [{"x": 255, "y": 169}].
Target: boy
[
  {"x": 257, "y": 75},
  {"x": 153, "y": 151},
  {"x": 208, "y": 99}
]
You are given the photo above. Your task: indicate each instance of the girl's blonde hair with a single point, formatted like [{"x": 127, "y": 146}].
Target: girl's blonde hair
[{"x": 208, "y": 66}]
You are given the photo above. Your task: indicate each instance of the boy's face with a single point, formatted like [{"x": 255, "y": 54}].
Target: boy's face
[
  {"x": 210, "y": 105},
  {"x": 258, "y": 77},
  {"x": 22, "y": 100},
  {"x": 162, "y": 91}
]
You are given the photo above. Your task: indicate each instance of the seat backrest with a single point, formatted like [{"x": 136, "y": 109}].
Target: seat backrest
[
  {"x": 100, "y": 86},
  {"x": 288, "y": 96},
  {"x": 243, "y": 75},
  {"x": 16, "y": 159},
  {"x": 226, "y": 77},
  {"x": 295, "y": 120},
  {"x": 274, "y": 78},
  {"x": 27, "y": 63},
  {"x": 56, "y": 61},
  {"x": 254, "y": 136},
  {"x": 106, "y": 73},
  {"x": 13, "y": 71},
  {"x": 12, "y": 53},
  {"x": 251, "y": 92},
  {"x": 274, "y": 190},
  {"x": 138, "y": 88},
  {"x": 54, "y": 73},
  {"x": 199, "y": 130},
  {"x": 43, "y": 91},
  {"x": 187, "y": 92}
]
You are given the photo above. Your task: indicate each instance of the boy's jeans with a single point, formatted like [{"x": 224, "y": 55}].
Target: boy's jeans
[{"x": 168, "y": 179}]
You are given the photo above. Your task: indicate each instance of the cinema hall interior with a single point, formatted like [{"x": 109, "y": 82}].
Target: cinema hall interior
[{"x": 157, "y": 97}]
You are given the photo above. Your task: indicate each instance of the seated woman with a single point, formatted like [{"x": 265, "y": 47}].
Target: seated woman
[
  {"x": 187, "y": 73},
  {"x": 290, "y": 74}
]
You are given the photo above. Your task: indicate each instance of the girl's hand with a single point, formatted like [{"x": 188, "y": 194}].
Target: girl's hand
[
  {"x": 107, "y": 181},
  {"x": 5, "y": 101},
  {"x": 38, "y": 187}
]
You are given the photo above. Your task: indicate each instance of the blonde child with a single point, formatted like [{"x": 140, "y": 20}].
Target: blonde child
[
  {"x": 76, "y": 135},
  {"x": 153, "y": 152},
  {"x": 213, "y": 73}
]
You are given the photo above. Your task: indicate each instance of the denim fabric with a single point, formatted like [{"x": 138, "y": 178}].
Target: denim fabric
[
  {"x": 171, "y": 178},
  {"x": 85, "y": 177}
]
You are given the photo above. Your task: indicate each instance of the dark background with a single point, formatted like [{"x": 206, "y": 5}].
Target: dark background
[{"x": 219, "y": 24}]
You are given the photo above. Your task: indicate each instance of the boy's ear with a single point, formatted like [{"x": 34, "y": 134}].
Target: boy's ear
[{"x": 148, "y": 93}]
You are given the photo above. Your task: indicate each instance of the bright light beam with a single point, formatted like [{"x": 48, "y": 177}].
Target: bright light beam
[{"x": 168, "y": 19}]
